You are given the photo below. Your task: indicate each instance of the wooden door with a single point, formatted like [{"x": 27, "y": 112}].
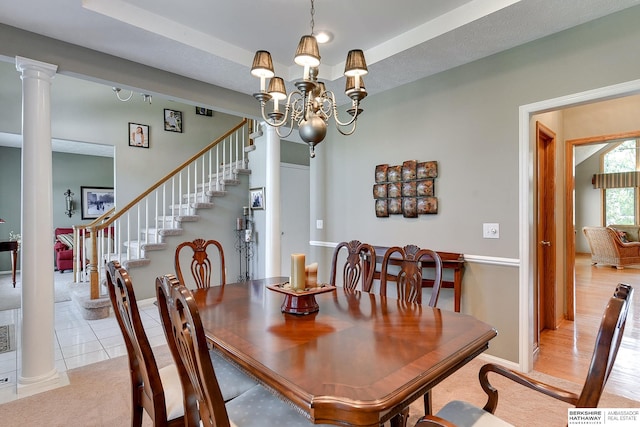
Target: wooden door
[{"x": 546, "y": 231}]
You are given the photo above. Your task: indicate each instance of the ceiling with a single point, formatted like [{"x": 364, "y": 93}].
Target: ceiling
[{"x": 214, "y": 41}]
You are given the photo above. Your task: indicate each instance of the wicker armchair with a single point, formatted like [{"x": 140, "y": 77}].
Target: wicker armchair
[{"x": 607, "y": 247}]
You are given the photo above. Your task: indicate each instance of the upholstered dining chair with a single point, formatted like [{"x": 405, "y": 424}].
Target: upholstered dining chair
[
  {"x": 201, "y": 391},
  {"x": 460, "y": 413},
  {"x": 359, "y": 265},
  {"x": 201, "y": 266},
  {"x": 233, "y": 382},
  {"x": 157, "y": 390},
  {"x": 154, "y": 390}
]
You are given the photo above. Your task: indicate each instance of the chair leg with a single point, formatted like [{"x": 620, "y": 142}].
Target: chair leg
[
  {"x": 136, "y": 416},
  {"x": 428, "y": 404},
  {"x": 401, "y": 419}
]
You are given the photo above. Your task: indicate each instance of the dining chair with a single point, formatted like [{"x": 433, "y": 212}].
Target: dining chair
[
  {"x": 233, "y": 382},
  {"x": 201, "y": 266},
  {"x": 359, "y": 265},
  {"x": 154, "y": 390},
  {"x": 409, "y": 276},
  {"x": 460, "y": 413},
  {"x": 201, "y": 390},
  {"x": 408, "y": 280}
]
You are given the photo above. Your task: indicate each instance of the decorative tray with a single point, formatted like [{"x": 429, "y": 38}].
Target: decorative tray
[{"x": 284, "y": 288}]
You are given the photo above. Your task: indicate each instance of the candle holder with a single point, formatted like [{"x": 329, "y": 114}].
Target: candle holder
[{"x": 300, "y": 302}]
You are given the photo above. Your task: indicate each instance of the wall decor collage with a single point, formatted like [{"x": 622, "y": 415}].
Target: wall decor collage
[{"x": 407, "y": 189}]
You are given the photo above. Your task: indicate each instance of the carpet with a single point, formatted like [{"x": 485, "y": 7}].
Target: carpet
[
  {"x": 99, "y": 395},
  {"x": 7, "y": 338},
  {"x": 10, "y": 297}
]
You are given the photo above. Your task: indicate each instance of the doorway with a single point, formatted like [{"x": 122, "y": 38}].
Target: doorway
[
  {"x": 528, "y": 212},
  {"x": 294, "y": 191}
]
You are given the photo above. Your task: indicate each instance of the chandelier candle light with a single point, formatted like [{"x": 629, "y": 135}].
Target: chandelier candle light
[{"x": 311, "y": 105}]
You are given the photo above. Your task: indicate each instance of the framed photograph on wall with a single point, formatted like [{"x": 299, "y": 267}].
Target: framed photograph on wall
[
  {"x": 172, "y": 120},
  {"x": 256, "y": 198},
  {"x": 96, "y": 201},
  {"x": 138, "y": 135},
  {"x": 201, "y": 111}
]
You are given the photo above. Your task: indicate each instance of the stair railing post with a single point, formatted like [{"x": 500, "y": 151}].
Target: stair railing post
[{"x": 94, "y": 279}]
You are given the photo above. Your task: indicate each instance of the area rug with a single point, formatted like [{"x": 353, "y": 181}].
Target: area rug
[
  {"x": 7, "y": 338},
  {"x": 99, "y": 395},
  {"x": 10, "y": 297}
]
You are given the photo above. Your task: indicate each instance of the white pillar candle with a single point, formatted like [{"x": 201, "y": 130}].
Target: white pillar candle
[
  {"x": 297, "y": 271},
  {"x": 311, "y": 271}
]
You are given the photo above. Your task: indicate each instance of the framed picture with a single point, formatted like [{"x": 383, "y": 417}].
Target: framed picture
[
  {"x": 138, "y": 135},
  {"x": 96, "y": 201},
  {"x": 172, "y": 120},
  {"x": 201, "y": 111},
  {"x": 256, "y": 198}
]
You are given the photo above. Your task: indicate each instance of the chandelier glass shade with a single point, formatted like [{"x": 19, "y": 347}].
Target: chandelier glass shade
[{"x": 310, "y": 106}]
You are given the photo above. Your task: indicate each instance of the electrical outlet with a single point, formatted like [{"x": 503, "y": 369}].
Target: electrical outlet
[
  {"x": 319, "y": 224},
  {"x": 491, "y": 230}
]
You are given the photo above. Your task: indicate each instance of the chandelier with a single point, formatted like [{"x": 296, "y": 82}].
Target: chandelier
[{"x": 311, "y": 105}]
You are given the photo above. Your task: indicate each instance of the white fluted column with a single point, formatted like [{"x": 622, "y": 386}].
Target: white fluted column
[
  {"x": 272, "y": 203},
  {"x": 38, "y": 371}
]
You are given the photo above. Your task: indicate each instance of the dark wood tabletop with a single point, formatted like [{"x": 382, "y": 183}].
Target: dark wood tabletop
[{"x": 360, "y": 360}]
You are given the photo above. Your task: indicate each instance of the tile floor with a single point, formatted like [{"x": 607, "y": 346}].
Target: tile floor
[{"x": 79, "y": 342}]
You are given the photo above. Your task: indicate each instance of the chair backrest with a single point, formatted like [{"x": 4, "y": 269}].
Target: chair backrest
[
  {"x": 201, "y": 266},
  {"x": 606, "y": 347},
  {"x": 409, "y": 277},
  {"x": 203, "y": 399},
  {"x": 146, "y": 385},
  {"x": 358, "y": 267}
]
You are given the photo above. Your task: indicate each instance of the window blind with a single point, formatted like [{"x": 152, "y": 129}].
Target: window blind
[{"x": 616, "y": 180}]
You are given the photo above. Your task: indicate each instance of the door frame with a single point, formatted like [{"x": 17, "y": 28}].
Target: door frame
[
  {"x": 545, "y": 296},
  {"x": 526, "y": 197},
  {"x": 570, "y": 185}
]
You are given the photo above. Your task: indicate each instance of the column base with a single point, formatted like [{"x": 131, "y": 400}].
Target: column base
[
  {"x": 28, "y": 387},
  {"x": 91, "y": 309}
]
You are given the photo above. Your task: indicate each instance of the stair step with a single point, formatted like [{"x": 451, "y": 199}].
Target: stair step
[
  {"x": 166, "y": 231},
  {"x": 242, "y": 171},
  {"x": 211, "y": 192},
  {"x": 179, "y": 218},
  {"x": 192, "y": 206},
  {"x": 189, "y": 209},
  {"x": 136, "y": 263},
  {"x": 231, "y": 181},
  {"x": 197, "y": 197}
]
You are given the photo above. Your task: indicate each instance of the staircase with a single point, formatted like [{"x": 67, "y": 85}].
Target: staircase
[{"x": 137, "y": 234}]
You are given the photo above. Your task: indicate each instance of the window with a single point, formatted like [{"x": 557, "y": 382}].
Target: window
[{"x": 621, "y": 204}]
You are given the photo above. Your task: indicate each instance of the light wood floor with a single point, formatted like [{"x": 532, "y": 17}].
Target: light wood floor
[{"x": 566, "y": 351}]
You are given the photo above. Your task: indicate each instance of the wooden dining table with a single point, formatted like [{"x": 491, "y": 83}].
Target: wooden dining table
[{"x": 360, "y": 360}]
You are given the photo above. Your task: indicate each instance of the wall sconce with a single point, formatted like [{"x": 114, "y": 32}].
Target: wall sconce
[{"x": 68, "y": 202}]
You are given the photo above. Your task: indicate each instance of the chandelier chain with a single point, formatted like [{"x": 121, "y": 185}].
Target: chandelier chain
[{"x": 313, "y": 12}]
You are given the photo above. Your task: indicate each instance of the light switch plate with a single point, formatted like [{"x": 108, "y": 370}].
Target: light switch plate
[
  {"x": 319, "y": 224},
  {"x": 491, "y": 230}
]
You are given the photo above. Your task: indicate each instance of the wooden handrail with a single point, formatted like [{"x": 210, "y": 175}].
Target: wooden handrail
[
  {"x": 169, "y": 176},
  {"x": 109, "y": 218}
]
